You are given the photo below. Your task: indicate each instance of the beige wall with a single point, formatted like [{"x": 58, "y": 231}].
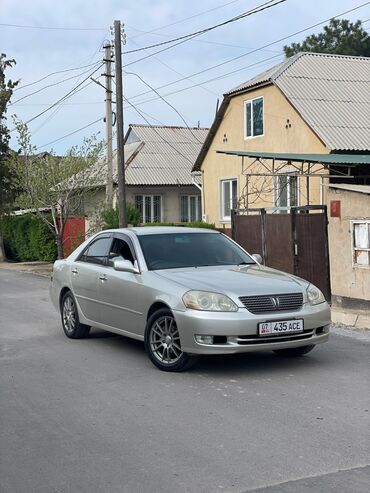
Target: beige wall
[
  {"x": 170, "y": 202},
  {"x": 347, "y": 280},
  {"x": 299, "y": 138}
]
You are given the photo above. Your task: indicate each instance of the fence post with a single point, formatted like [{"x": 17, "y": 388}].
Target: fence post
[
  {"x": 263, "y": 236},
  {"x": 294, "y": 241}
]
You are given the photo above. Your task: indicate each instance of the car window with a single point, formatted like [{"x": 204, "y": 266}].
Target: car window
[
  {"x": 177, "y": 250},
  {"x": 120, "y": 249},
  {"x": 96, "y": 252}
]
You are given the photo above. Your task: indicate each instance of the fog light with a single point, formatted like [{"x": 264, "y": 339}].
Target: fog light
[{"x": 204, "y": 339}]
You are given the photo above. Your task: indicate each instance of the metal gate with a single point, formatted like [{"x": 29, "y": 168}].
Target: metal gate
[{"x": 293, "y": 240}]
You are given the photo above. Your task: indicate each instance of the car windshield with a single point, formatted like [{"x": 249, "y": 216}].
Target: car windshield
[{"x": 181, "y": 250}]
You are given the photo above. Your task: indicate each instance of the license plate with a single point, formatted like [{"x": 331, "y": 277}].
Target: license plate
[{"x": 280, "y": 327}]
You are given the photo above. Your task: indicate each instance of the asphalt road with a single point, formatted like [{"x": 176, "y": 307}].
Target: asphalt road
[{"x": 95, "y": 416}]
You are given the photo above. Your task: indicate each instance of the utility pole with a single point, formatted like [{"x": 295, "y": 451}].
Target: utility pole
[
  {"x": 120, "y": 137},
  {"x": 108, "y": 122}
]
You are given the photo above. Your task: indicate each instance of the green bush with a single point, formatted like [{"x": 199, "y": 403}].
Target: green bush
[
  {"x": 110, "y": 217},
  {"x": 27, "y": 238}
]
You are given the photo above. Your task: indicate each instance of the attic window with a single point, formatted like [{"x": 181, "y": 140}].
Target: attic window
[{"x": 253, "y": 117}]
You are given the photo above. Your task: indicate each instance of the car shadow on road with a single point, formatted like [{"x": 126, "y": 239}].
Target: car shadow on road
[{"x": 260, "y": 363}]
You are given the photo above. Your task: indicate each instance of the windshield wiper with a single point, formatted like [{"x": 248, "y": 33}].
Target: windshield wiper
[{"x": 246, "y": 263}]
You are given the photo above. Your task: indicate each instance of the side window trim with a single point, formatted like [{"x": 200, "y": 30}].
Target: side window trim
[
  {"x": 128, "y": 240},
  {"x": 100, "y": 237}
]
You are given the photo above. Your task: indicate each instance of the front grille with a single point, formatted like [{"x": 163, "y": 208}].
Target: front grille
[{"x": 273, "y": 302}]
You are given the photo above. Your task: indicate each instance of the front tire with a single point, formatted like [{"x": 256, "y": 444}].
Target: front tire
[
  {"x": 70, "y": 321},
  {"x": 162, "y": 343},
  {"x": 294, "y": 351}
]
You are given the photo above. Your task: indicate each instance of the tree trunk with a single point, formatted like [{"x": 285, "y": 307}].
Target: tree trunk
[
  {"x": 59, "y": 243},
  {"x": 2, "y": 249}
]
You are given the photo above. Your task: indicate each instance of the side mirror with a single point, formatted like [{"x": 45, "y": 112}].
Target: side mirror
[
  {"x": 257, "y": 257},
  {"x": 125, "y": 266}
]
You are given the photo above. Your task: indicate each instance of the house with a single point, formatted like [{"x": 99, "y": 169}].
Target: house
[
  {"x": 272, "y": 133},
  {"x": 349, "y": 245},
  {"x": 159, "y": 182}
]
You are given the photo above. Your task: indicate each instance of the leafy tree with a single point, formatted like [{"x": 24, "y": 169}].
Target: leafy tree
[
  {"x": 340, "y": 37},
  {"x": 6, "y": 188},
  {"x": 54, "y": 187}
]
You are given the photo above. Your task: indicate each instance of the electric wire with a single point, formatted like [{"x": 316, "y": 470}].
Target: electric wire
[
  {"x": 52, "y": 85},
  {"x": 70, "y": 133},
  {"x": 168, "y": 103},
  {"x": 67, "y": 95},
  {"x": 225, "y": 62},
  {"x": 259, "y": 8},
  {"x": 154, "y": 31},
  {"x": 54, "y": 73},
  {"x": 51, "y": 28}
]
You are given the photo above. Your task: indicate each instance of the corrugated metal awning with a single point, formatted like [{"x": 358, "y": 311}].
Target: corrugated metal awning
[{"x": 335, "y": 159}]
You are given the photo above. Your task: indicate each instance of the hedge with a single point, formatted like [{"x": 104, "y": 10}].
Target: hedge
[{"x": 27, "y": 238}]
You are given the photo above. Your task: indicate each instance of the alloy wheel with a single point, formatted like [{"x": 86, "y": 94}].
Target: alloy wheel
[
  {"x": 165, "y": 340},
  {"x": 69, "y": 315}
]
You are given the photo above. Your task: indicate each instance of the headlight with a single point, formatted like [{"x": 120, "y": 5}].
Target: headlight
[
  {"x": 211, "y": 302},
  {"x": 314, "y": 295}
]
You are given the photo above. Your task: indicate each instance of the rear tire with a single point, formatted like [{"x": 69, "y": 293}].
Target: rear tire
[
  {"x": 294, "y": 351},
  {"x": 70, "y": 321},
  {"x": 162, "y": 343}
]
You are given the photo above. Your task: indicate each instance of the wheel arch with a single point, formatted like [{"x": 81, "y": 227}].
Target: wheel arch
[
  {"x": 158, "y": 305},
  {"x": 63, "y": 291}
]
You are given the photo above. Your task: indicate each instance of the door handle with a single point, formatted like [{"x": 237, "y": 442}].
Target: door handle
[
  {"x": 103, "y": 277},
  {"x": 74, "y": 271}
]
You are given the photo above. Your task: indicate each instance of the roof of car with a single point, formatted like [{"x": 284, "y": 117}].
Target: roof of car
[{"x": 152, "y": 230}]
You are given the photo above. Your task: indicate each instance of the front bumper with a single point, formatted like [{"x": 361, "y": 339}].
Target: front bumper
[{"x": 238, "y": 330}]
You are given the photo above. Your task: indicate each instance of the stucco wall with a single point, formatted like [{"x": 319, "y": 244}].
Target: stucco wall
[
  {"x": 298, "y": 138},
  {"x": 170, "y": 201},
  {"x": 346, "y": 280}
]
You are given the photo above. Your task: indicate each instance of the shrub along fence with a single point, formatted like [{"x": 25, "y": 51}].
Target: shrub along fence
[{"x": 27, "y": 238}]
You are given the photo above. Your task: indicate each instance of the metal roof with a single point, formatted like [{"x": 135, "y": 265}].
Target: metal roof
[
  {"x": 166, "y": 155},
  {"x": 336, "y": 159},
  {"x": 351, "y": 188}
]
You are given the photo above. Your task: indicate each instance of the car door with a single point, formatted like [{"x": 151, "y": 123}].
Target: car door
[
  {"x": 86, "y": 272},
  {"x": 119, "y": 292}
]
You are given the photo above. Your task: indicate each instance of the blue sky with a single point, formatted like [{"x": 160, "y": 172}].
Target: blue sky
[{"x": 39, "y": 52}]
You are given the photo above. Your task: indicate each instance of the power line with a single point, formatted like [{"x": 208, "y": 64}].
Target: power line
[
  {"x": 154, "y": 31},
  {"x": 69, "y": 134},
  {"x": 69, "y": 94},
  {"x": 55, "y": 28},
  {"x": 252, "y": 51},
  {"x": 186, "y": 37},
  {"x": 52, "y": 85},
  {"x": 169, "y": 104},
  {"x": 217, "y": 43},
  {"x": 54, "y": 73},
  {"x": 211, "y": 80}
]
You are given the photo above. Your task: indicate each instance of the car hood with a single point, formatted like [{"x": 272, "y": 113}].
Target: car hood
[{"x": 234, "y": 281}]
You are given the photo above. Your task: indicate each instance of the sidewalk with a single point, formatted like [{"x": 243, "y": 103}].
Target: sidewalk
[
  {"x": 351, "y": 318},
  {"x": 39, "y": 268}
]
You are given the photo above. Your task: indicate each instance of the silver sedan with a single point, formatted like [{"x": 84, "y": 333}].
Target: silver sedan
[{"x": 185, "y": 292}]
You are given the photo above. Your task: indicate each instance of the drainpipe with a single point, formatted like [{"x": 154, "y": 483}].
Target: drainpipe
[{"x": 201, "y": 193}]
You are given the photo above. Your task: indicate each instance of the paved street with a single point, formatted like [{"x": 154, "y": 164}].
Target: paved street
[{"x": 95, "y": 416}]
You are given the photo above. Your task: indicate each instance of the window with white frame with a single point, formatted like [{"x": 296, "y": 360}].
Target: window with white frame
[
  {"x": 229, "y": 197},
  {"x": 286, "y": 191},
  {"x": 150, "y": 208},
  {"x": 190, "y": 208},
  {"x": 361, "y": 243},
  {"x": 253, "y": 117}
]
